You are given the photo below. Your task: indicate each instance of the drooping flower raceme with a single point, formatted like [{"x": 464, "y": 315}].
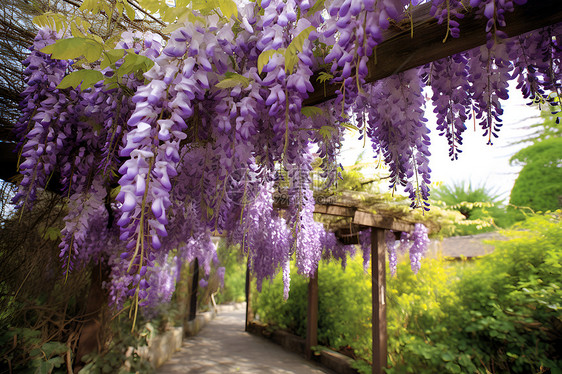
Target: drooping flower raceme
[
  {"x": 194, "y": 141},
  {"x": 419, "y": 246}
]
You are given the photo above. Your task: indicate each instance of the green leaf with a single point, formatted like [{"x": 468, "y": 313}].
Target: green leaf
[
  {"x": 295, "y": 47},
  {"x": 232, "y": 80},
  {"x": 134, "y": 63},
  {"x": 44, "y": 368},
  {"x": 90, "y": 5},
  {"x": 205, "y": 7},
  {"x": 56, "y": 361},
  {"x": 54, "y": 348},
  {"x": 311, "y": 111},
  {"x": 326, "y": 131},
  {"x": 350, "y": 126},
  {"x": 323, "y": 77},
  {"x": 228, "y": 8},
  {"x": 172, "y": 27},
  {"x": 265, "y": 56},
  {"x": 111, "y": 57},
  {"x": 114, "y": 192},
  {"x": 85, "y": 76},
  {"x": 129, "y": 10},
  {"x": 318, "y": 5},
  {"x": 76, "y": 32},
  {"x": 71, "y": 48},
  {"x": 36, "y": 352},
  {"x": 55, "y": 21},
  {"x": 52, "y": 233}
]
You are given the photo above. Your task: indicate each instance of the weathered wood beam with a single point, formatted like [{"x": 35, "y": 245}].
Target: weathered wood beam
[
  {"x": 335, "y": 210},
  {"x": 348, "y": 235},
  {"x": 400, "y": 52},
  {"x": 381, "y": 221}
]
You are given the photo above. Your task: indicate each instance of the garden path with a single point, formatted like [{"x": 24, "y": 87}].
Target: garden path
[{"x": 223, "y": 347}]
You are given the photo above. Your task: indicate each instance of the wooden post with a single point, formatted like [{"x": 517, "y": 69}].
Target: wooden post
[
  {"x": 193, "y": 290},
  {"x": 249, "y": 312},
  {"x": 312, "y": 315},
  {"x": 378, "y": 249}
]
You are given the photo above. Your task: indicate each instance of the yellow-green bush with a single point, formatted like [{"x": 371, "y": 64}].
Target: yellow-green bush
[{"x": 500, "y": 313}]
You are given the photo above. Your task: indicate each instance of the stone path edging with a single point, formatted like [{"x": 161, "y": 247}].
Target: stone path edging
[{"x": 329, "y": 359}]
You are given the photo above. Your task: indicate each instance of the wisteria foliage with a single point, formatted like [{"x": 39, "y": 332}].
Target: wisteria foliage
[{"x": 157, "y": 157}]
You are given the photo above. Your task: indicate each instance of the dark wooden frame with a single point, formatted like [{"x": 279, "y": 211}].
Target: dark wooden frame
[{"x": 400, "y": 51}]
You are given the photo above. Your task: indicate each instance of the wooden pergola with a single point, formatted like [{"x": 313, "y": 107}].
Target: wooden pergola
[
  {"x": 400, "y": 51},
  {"x": 354, "y": 215}
]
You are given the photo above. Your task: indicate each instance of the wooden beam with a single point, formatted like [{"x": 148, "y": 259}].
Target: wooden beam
[
  {"x": 335, "y": 210},
  {"x": 378, "y": 263},
  {"x": 348, "y": 235},
  {"x": 381, "y": 221},
  {"x": 400, "y": 52},
  {"x": 312, "y": 316}
]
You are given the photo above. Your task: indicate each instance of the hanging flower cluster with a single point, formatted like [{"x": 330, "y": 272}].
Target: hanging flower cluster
[
  {"x": 415, "y": 242},
  {"x": 180, "y": 137}
]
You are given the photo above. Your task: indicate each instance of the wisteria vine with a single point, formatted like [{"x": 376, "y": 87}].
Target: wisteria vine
[{"x": 181, "y": 136}]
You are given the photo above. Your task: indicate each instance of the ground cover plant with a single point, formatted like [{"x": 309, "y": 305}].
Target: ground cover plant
[{"x": 499, "y": 313}]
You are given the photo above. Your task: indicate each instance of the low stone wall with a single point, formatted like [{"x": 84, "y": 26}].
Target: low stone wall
[
  {"x": 192, "y": 328},
  {"x": 332, "y": 360},
  {"x": 162, "y": 346}
]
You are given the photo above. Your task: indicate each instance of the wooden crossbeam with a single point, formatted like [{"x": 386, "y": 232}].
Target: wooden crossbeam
[
  {"x": 400, "y": 51},
  {"x": 381, "y": 221},
  {"x": 335, "y": 210}
]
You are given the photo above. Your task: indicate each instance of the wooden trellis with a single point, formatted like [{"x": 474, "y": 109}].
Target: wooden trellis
[
  {"x": 400, "y": 51},
  {"x": 356, "y": 219},
  {"x": 403, "y": 49}
]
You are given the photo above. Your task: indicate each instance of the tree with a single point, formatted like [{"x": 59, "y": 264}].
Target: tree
[
  {"x": 16, "y": 36},
  {"x": 479, "y": 205},
  {"x": 539, "y": 184}
]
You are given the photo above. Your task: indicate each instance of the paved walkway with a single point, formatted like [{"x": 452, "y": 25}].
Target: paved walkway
[{"x": 223, "y": 347}]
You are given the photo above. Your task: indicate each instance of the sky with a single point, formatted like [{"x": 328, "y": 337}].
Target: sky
[{"x": 479, "y": 164}]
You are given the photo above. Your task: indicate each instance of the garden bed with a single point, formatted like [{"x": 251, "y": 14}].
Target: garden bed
[{"x": 329, "y": 359}]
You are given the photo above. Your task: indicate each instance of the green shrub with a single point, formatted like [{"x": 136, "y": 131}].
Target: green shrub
[
  {"x": 344, "y": 307},
  {"x": 500, "y": 313},
  {"x": 234, "y": 277},
  {"x": 515, "y": 299},
  {"x": 289, "y": 314}
]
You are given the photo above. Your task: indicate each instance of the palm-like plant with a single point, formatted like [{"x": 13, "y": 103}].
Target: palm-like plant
[{"x": 482, "y": 207}]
